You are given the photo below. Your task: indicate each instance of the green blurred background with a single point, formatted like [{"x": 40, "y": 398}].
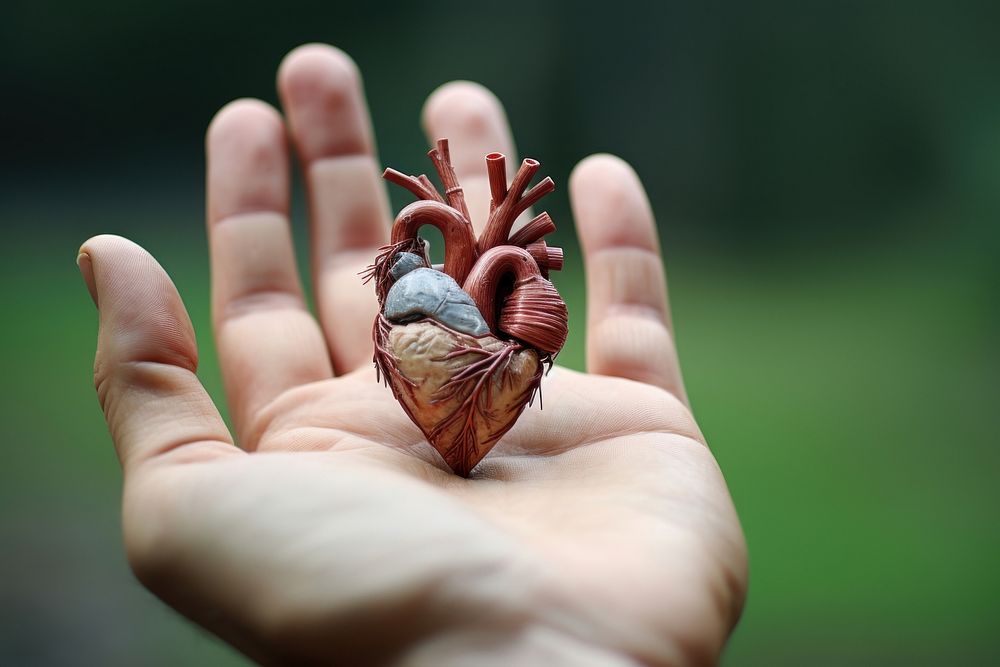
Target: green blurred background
[{"x": 826, "y": 177}]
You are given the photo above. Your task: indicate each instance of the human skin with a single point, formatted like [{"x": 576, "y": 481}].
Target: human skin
[{"x": 599, "y": 531}]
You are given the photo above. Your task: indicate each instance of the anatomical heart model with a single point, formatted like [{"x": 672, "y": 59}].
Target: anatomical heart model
[{"x": 463, "y": 345}]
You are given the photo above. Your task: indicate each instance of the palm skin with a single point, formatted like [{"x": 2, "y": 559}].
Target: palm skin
[
  {"x": 598, "y": 531},
  {"x": 613, "y": 533}
]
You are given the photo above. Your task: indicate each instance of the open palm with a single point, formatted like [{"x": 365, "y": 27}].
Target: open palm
[{"x": 598, "y": 531}]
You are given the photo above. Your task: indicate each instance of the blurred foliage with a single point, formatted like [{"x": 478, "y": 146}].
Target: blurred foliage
[{"x": 825, "y": 175}]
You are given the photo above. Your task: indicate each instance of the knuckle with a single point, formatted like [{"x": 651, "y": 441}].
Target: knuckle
[
  {"x": 102, "y": 380},
  {"x": 636, "y": 344}
]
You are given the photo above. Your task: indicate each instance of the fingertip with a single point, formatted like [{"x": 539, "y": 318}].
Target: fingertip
[
  {"x": 473, "y": 119},
  {"x": 308, "y": 67},
  {"x": 247, "y": 160},
  {"x": 109, "y": 247},
  {"x": 240, "y": 115},
  {"x": 598, "y": 168},
  {"x": 85, "y": 259},
  {"x": 610, "y": 204},
  {"x": 467, "y": 105},
  {"x": 321, "y": 90},
  {"x": 142, "y": 315},
  {"x": 115, "y": 264}
]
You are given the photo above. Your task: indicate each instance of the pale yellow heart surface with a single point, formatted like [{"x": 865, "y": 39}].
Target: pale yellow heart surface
[{"x": 464, "y": 392}]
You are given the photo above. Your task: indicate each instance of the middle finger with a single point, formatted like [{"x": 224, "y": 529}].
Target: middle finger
[{"x": 321, "y": 92}]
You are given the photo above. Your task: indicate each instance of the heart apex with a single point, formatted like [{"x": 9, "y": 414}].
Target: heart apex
[{"x": 463, "y": 392}]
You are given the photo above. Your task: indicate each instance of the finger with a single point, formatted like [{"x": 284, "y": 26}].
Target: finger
[
  {"x": 144, "y": 371},
  {"x": 628, "y": 320},
  {"x": 473, "y": 121},
  {"x": 321, "y": 92},
  {"x": 268, "y": 341}
]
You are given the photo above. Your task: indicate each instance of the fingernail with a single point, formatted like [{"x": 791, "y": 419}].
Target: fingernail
[{"x": 87, "y": 271}]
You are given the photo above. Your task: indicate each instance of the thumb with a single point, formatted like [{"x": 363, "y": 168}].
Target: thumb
[{"x": 146, "y": 359}]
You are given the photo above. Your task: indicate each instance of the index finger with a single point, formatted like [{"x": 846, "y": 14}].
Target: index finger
[{"x": 321, "y": 90}]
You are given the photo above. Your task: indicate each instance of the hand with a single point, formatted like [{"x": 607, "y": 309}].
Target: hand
[{"x": 598, "y": 531}]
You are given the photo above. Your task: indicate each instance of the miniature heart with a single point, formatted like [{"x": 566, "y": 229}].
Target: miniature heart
[{"x": 462, "y": 347}]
